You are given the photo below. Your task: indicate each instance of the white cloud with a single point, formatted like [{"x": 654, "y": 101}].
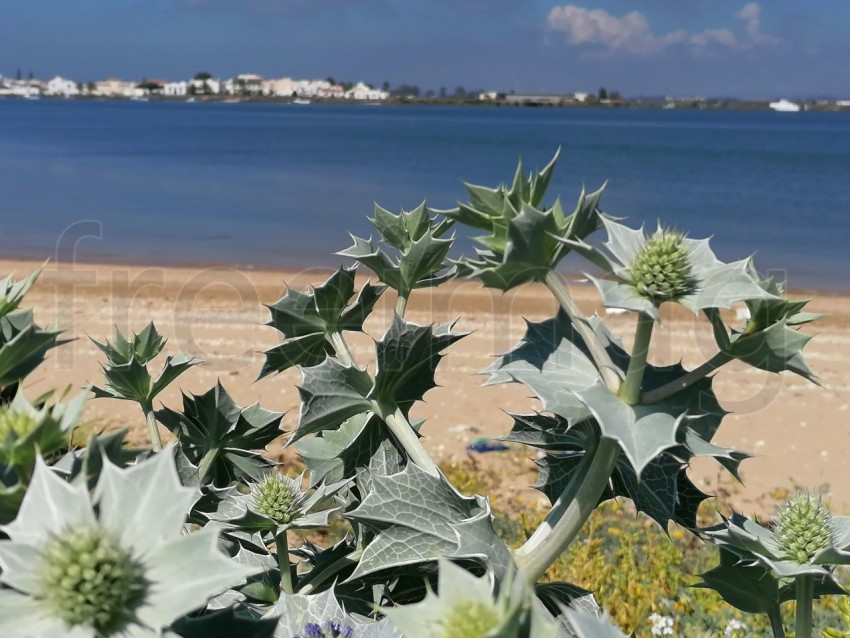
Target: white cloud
[
  {"x": 751, "y": 15},
  {"x": 633, "y": 34}
]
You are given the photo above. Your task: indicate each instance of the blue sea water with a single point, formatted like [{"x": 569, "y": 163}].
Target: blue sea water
[{"x": 281, "y": 185}]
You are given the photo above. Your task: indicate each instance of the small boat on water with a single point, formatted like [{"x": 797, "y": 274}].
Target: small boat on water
[
  {"x": 300, "y": 101},
  {"x": 785, "y": 106}
]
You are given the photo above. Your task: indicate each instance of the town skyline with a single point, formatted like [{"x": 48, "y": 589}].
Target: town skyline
[{"x": 729, "y": 48}]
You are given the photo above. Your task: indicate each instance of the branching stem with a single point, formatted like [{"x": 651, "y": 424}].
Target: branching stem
[
  {"x": 343, "y": 352},
  {"x": 687, "y": 380},
  {"x": 392, "y": 416},
  {"x": 571, "y": 510},
  {"x": 153, "y": 428},
  {"x": 805, "y": 587},
  {"x": 594, "y": 345},
  {"x": 332, "y": 570},
  {"x": 401, "y": 304},
  {"x": 408, "y": 438},
  {"x": 630, "y": 390},
  {"x": 282, "y": 549}
]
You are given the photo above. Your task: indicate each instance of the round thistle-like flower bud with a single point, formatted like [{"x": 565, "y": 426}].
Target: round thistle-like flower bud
[
  {"x": 278, "y": 497},
  {"x": 15, "y": 424},
  {"x": 470, "y": 619},
  {"x": 662, "y": 270},
  {"x": 88, "y": 579},
  {"x": 803, "y": 527},
  {"x": 331, "y": 630}
]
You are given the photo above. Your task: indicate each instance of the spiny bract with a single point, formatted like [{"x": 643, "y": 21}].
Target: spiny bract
[
  {"x": 803, "y": 527},
  {"x": 89, "y": 579},
  {"x": 662, "y": 269},
  {"x": 470, "y": 619}
]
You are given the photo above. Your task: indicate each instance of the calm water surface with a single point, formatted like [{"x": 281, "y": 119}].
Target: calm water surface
[{"x": 279, "y": 185}]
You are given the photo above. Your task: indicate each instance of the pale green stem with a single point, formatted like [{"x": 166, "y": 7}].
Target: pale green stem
[
  {"x": 206, "y": 464},
  {"x": 594, "y": 345},
  {"x": 408, "y": 438},
  {"x": 343, "y": 353},
  {"x": 805, "y": 587},
  {"x": 571, "y": 510},
  {"x": 282, "y": 549},
  {"x": 392, "y": 416},
  {"x": 630, "y": 390},
  {"x": 332, "y": 570},
  {"x": 686, "y": 380},
  {"x": 775, "y": 618},
  {"x": 401, "y": 304},
  {"x": 153, "y": 428}
]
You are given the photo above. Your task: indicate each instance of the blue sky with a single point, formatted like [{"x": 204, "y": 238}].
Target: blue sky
[{"x": 772, "y": 48}]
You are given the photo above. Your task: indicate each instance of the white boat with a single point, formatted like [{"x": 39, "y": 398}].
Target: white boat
[
  {"x": 300, "y": 101},
  {"x": 785, "y": 106}
]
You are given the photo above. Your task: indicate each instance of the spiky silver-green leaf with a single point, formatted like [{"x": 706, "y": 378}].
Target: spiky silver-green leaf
[
  {"x": 223, "y": 439},
  {"x": 126, "y": 369},
  {"x": 420, "y": 248},
  {"x": 308, "y": 319}
]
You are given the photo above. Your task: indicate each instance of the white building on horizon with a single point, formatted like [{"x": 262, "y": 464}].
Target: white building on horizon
[
  {"x": 62, "y": 87},
  {"x": 113, "y": 87},
  {"x": 21, "y": 88},
  {"x": 244, "y": 84},
  {"x": 282, "y": 87},
  {"x": 175, "y": 89},
  {"x": 362, "y": 91}
]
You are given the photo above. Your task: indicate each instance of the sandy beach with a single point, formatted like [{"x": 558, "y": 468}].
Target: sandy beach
[{"x": 798, "y": 432}]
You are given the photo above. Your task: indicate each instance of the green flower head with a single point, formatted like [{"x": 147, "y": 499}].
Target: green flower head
[
  {"x": 116, "y": 563},
  {"x": 86, "y": 577},
  {"x": 465, "y": 607},
  {"x": 803, "y": 539},
  {"x": 278, "y": 497},
  {"x": 803, "y": 527},
  {"x": 275, "y": 503},
  {"x": 662, "y": 269},
  {"x": 644, "y": 271}
]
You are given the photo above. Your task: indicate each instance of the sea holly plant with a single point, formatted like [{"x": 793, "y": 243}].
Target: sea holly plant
[
  {"x": 312, "y": 322},
  {"x": 201, "y": 538},
  {"x": 526, "y": 239},
  {"x": 272, "y": 505},
  {"x": 796, "y": 553},
  {"x": 26, "y": 431},
  {"x": 220, "y": 438},
  {"x": 417, "y": 251},
  {"x": 466, "y": 606},
  {"x": 107, "y": 563},
  {"x": 127, "y": 375},
  {"x": 23, "y": 344}
]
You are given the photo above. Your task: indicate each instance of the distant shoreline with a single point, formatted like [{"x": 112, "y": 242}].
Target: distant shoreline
[
  {"x": 287, "y": 270},
  {"x": 685, "y": 104}
]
